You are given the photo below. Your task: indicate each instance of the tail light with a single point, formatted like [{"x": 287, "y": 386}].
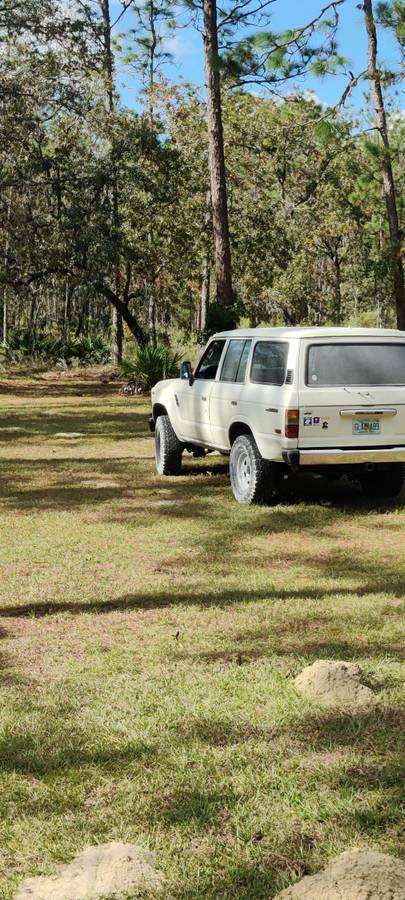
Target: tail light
[{"x": 292, "y": 419}]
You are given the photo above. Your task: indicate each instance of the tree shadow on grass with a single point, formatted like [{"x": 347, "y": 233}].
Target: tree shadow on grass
[
  {"x": 191, "y": 806},
  {"x": 20, "y": 426},
  {"x": 388, "y": 579},
  {"x": 376, "y": 729},
  {"x": 40, "y": 387},
  {"x": 375, "y": 787},
  {"x": 294, "y": 655},
  {"x": 8, "y": 674},
  {"x": 165, "y": 598},
  {"x": 63, "y": 484},
  {"x": 62, "y": 748},
  {"x": 209, "y": 470},
  {"x": 72, "y": 482},
  {"x": 221, "y": 732}
]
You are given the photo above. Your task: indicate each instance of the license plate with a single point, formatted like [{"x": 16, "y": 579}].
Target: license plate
[{"x": 366, "y": 426}]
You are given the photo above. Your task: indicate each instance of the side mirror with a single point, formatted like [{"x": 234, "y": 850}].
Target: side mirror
[{"x": 186, "y": 372}]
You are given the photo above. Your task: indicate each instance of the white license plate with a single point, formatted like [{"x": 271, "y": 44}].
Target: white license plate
[{"x": 366, "y": 426}]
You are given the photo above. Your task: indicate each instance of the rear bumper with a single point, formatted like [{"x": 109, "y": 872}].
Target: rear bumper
[{"x": 338, "y": 457}]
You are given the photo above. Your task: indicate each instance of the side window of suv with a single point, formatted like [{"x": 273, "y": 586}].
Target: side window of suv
[
  {"x": 269, "y": 362},
  {"x": 209, "y": 362},
  {"x": 235, "y": 362}
]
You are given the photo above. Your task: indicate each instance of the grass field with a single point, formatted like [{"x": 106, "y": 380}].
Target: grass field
[{"x": 150, "y": 633}]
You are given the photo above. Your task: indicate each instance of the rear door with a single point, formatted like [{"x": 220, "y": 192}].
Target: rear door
[
  {"x": 352, "y": 393},
  {"x": 226, "y": 391},
  {"x": 269, "y": 389}
]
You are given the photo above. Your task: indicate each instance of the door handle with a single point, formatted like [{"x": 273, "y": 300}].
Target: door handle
[
  {"x": 203, "y": 398},
  {"x": 234, "y": 402}
]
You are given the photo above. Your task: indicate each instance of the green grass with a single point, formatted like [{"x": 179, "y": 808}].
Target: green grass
[{"x": 150, "y": 631}]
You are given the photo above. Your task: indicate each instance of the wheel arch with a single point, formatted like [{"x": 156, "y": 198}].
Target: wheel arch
[
  {"x": 236, "y": 429},
  {"x": 158, "y": 409}
]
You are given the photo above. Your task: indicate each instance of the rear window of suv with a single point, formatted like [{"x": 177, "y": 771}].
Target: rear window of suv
[
  {"x": 269, "y": 362},
  {"x": 360, "y": 365}
]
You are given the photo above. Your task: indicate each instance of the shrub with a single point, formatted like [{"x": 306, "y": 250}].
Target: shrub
[
  {"x": 150, "y": 365},
  {"x": 86, "y": 351}
]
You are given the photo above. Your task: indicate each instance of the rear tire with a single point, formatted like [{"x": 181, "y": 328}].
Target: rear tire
[
  {"x": 168, "y": 449},
  {"x": 384, "y": 482},
  {"x": 253, "y": 479}
]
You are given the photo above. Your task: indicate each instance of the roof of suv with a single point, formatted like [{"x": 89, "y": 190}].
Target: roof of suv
[{"x": 311, "y": 332}]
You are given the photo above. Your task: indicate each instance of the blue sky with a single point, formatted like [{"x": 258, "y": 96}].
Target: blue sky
[{"x": 185, "y": 44}]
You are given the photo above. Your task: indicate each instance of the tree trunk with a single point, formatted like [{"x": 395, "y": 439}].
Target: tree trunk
[
  {"x": 386, "y": 166},
  {"x": 205, "y": 272},
  {"x": 117, "y": 336},
  {"x": 151, "y": 315},
  {"x": 219, "y": 197},
  {"x": 204, "y": 294},
  {"x": 69, "y": 291},
  {"x": 117, "y": 326},
  {"x": 6, "y": 249},
  {"x": 152, "y": 51},
  {"x": 4, "y": 338},
  {"x": 32, "y": 323},
  {"x": 125, "y": 313},
  {"x": 83, "y": 319},
  {"x": 337, "y": 313},
  {"x": 151, "y": 241}
]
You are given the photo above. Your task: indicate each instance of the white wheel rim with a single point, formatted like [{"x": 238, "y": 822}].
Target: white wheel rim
[{"x": 244, "y": 470}]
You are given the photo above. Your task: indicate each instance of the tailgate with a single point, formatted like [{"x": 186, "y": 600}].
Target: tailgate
[
  {"x": 351, "y": 415},
  {"x": 332, "y": 421}
]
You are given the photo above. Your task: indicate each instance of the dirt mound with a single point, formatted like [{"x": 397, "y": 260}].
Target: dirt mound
[
  {"x": 108, "y": 870},
  {"x": 333, "y": 683},
  {"x": 355, "y": 875}
]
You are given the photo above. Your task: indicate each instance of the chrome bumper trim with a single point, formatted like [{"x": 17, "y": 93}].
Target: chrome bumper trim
[{"x": 347, "y": 457}]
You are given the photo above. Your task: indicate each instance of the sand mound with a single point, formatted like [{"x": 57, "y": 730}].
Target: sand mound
[
  {"x": 355, "y": 875},
  {"x": 108, "y": 870},
  {"x": 333, "y": 683}
]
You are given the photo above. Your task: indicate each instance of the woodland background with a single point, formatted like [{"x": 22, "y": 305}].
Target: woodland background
[{"x": 248, "y": 201}]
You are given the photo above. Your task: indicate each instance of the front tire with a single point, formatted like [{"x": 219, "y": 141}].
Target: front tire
[
  {"x": 168, "y": 449},
  {"x": 384, "y": 482},
  {"x": 252, "y": 477}
]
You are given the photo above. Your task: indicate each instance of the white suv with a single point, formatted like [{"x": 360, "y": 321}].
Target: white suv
[{"x": 330, "y": 400}]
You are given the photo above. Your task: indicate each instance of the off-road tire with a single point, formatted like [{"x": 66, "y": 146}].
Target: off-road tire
[
  {"x": 168, "y": 449},
  {"x": 253, "y": 479},
  {"x": 384, "y": 482}
]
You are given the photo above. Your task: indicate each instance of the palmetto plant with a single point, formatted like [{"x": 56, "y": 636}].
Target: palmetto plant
[
  {"x": 87, "y": 351},
  {"x": 150, "y": 365}
]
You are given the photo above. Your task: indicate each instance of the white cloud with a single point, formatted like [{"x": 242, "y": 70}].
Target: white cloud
[
  {"x": 311, "y": 95},
  {"x": 179, "y": 46}
]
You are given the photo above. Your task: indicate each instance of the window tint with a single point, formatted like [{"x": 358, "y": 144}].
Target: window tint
[
  {"x": 269, "y": 363},
  {"x": 236, "y": 357},
  {"x": 208, "y": 365},
  {"x": 363, "y": 365}
]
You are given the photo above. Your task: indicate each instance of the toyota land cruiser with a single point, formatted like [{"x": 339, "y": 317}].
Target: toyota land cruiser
[{"x": 326, "y": 400}]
